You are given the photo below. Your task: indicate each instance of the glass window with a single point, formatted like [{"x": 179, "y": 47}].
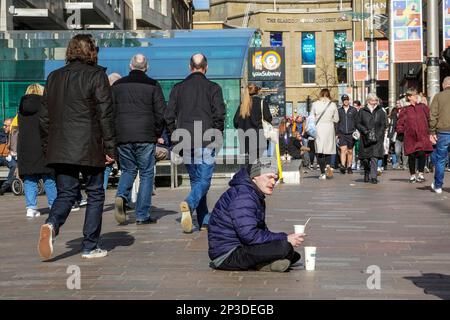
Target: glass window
[
  {"x": 302, "y": 109},
  {"x": 309, "y": 75},
  {"x": 289, "y": 111},
  {"x": 276, "y": 39}
]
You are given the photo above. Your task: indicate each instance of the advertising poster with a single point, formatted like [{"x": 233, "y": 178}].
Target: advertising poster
[
  {"x": 266, "y": 64},
  {"x": 446, "y": 22},
  {"x": 308, "y": 48},
  {"x": 407, "y": 30},
  {"x": 382, "y": 60},
  {"x": 360, "y": 61}
]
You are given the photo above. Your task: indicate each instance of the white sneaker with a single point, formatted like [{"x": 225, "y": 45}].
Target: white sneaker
[
  {"x": 412, "y": 179},
  {"x": 420, "y": 177},
  {"x": 83, "y": 202},
  {"x": 31, "y": 213},
  {"x": 97, "y": 253},
  {"x": 437, "y": 190},
  {"x": 322, "y": 177}
]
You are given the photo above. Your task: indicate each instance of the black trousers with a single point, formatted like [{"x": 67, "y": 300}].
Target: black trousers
[
  {"x": 68, "y": 187},
  {"x": 324, "y": 160},
  {"x": 420, "y": 156},
  {"x": 248, "y": 257}
]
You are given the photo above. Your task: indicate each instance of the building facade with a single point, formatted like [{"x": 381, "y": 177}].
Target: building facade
[
  {"x": 96, "y": 15},
  {"x": 317, "y": 37}
]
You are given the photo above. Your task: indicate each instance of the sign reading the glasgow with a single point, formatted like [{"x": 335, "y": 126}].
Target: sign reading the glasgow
[{"x": 266, "y": 64}]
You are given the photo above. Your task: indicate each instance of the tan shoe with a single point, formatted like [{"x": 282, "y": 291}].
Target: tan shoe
[
  {"x": 186, "y": 218},
  {"x": 45, "y": 245},
  {"x": 329, "y": 172},
  {"x": 276, "y": 266}
]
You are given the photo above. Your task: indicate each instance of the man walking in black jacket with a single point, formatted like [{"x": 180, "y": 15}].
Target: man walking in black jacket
[
  {"x": 345, "y": 129},
  {"x": 77, "y": 137},
  {"x": 195, "y": 107},
  {"x": 139, "y": 106}
]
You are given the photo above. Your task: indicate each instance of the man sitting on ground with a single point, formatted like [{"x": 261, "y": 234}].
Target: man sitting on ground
[{"x": 238, "y": 237}]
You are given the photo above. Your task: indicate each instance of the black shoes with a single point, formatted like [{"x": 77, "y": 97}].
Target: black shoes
[
  {"x": 342, "y": 169},
  {"x": 374, "y": 181},
  {"x": 349, "y": 170},
  {"x": 366, "y": 177},
  {"x": 148, "y": 221}
]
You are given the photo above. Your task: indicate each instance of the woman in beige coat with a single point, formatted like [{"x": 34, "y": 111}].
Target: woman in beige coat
[{"x": 325, "y": 141}]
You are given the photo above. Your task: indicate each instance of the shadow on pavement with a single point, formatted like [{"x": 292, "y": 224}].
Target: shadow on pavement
[
  {"x": 108, "y": 241},
  {"x": 433, "y": 283}
]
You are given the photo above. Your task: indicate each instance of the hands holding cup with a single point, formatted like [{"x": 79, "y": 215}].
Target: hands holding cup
[{"x": 296, "y": 239}]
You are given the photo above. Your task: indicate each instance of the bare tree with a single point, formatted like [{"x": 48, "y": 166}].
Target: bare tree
[{"x": 325, "y": 75}]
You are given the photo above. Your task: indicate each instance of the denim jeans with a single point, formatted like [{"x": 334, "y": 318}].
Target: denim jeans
[
  {"x": 12, "y": 165},
  {"x": 200, "y": 164},
  {"x": 108, "y": 170},
  {"x": 30, "y": 184},
  {"x": 439, "y": 157},
  {"x": 136, "y": 157},
  {"x": 68, "y": 187}
]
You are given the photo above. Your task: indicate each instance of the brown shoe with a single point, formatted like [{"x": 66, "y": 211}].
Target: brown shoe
[
  {"x": 120, "y": 213},
  {"x": 275, "y": 266},
  {"x": 186, "y": 218},
  {"x": 45, "y": 246},
  {"x": 329, "y": 172}
]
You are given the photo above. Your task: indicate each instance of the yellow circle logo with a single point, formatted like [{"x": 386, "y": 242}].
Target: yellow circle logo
[{"x": 271, "y": 60}]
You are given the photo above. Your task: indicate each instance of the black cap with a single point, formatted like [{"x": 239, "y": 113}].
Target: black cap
[{"x": 344, "y": 97}]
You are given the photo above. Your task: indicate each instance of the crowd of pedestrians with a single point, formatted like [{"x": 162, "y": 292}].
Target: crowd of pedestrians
[{"x": 83, "y": 123}]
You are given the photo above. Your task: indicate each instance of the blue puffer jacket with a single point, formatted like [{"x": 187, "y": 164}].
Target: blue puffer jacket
[{"x": 239, "y": 218}]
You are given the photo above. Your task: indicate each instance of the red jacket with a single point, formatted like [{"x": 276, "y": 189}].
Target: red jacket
[{"x": 413, "y": 122}]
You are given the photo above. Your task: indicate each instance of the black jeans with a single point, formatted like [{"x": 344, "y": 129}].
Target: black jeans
[
  {"x": 324, "y": 160},
  {"x": 370, "y": 167},
  {"x": 420, "y": 156},
  {"x": 68, "y": 188},
  {"x": 248, "y": 257}
]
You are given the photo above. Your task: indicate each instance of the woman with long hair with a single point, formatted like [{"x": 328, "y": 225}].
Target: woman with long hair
[
  {"x": 371, "y": 122},
  {"x": 248, "y": 118},
  {"x": 326, "y": 115},
  {"x": 413, "y": 123},
  {"x": 31, "y": 161}
]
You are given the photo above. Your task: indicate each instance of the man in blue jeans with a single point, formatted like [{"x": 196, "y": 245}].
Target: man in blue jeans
[
  {"x": 440, "y": 133},
  {"x": 139, "y": 106},
  {"x": 77, "y": 132},
  {"x": 196, "y": 111}
]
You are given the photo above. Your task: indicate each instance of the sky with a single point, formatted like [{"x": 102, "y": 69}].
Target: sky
[{"x": 201, "y": 4}]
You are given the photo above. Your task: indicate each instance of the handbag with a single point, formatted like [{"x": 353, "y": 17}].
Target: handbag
[
  {"x": 311, "y": 125},
  {"x": 269, "y": 131},
  {"x": 371, "y": 136}
]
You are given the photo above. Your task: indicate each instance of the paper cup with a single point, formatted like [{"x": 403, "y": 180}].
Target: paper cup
[
  {"x": 310, "y": 258},
  {"x": 299, "y": 228}
]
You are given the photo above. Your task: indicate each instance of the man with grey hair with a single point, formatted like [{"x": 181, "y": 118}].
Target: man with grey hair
[
  {"x": 440, "y": 133},
  {"x": 196, "y": 106},
  {"x": 138, "y": 108}
]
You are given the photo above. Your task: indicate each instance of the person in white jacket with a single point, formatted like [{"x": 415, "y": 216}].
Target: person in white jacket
[{"x": 326, "y": 114}]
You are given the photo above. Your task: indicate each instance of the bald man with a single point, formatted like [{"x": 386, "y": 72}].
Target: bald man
[
  {"x": 139, "y": 106},
  {"x": 440, "y": 133},
  {"x": 195, "y": 106}
]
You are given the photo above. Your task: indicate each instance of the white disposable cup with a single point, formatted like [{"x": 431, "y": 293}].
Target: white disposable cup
[
  {"x": 310, "y": 258},
  {"x": 299, "y": 228}
]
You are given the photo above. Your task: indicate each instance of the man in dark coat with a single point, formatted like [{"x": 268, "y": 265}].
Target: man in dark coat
[
  {"x": 138, "y": 107},
  {"x": 197, "y": 111},
  {"x": 238, "y": 236},
  {"x": 371, "y": 120},
  {"x": 345, "y": 129},
  {"x": 78, "y": 137}
]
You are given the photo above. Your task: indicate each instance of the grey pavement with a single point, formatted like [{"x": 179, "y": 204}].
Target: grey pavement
[{"x": 401, "y": 228}]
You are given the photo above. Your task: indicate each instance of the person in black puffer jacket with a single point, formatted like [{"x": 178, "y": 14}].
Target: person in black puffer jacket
[{"x": 30, "y": 157}]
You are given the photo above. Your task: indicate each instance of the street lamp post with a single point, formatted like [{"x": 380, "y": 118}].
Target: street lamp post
[
  {"x": 433, "y": 77},
  {"x": 392, "y": 68},
  {"x": 373, "y": 84}
]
